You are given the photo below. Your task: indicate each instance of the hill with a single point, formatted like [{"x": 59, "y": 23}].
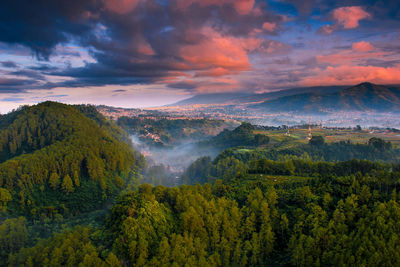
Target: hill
[
  {"x": 365, "y": 97},
  {"x": 61, "y": 159}
]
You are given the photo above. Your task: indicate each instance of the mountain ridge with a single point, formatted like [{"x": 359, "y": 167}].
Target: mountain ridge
[{"x": 364, "y": 97}]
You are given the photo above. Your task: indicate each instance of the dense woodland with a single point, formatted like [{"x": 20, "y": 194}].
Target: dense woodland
[
  {"x": 55, "y": 157},
  {"x": 300, "y": 160},
  {"x": 67, "y": 199},
  {"x": 349, "y": 220},
  {"x": 240, "y": 136}
]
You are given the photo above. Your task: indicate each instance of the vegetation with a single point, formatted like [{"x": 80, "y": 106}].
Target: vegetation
[
  {"x": 246, "y": 221},
  {"x": 241, "y": 136},
  {"x": 60, "y": 159},
  {"x": 254, "y": 205}
]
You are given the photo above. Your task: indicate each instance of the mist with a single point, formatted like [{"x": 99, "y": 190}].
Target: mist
[{"x": 166, "y": 164}]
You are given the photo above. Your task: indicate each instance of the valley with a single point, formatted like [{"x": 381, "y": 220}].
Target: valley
[{"x": 123, "y": 187}]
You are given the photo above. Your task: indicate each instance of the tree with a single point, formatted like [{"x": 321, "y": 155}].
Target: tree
[
  {"x": 76, "y": 179},
  {"x": 261, "y": 139},
  {"x": 54, "y": 180},
  {"x": 5, "y": 197},
  {"x": 317, "y": 140},
  {"x": 67, "y": 184},
  {"x": 379, "y": 144}
]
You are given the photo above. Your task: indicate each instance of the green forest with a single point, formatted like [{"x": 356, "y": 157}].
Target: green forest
[{"x": 70, "y": 195}]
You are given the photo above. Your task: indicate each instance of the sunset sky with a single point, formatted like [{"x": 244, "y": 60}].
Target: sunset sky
[{"x": 139, "y": 53}]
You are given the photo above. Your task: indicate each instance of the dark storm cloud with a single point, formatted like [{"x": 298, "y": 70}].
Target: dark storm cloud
[
  {"x": 42, "y": 24},
  {"x": 13, "y": 85},
  {"x": 29, "y": 74}
]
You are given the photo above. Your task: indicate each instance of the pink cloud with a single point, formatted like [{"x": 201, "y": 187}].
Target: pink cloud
[
  {"x": 144, "y": 48},
  {"x": 345, "y": 17},
  {"x": 269, "y": 26},
  {"x": 362, "y": 46},
  {"x": 348, "y": 57},
  {"x": 328, "y": 29},
  {"x": 349, "y": 16},
  {"x": 121, "y": 6},
  {"x": 242, "y": 7},
  {"x": 347, "y": 74},
  {"x": 359, "y": 54}
]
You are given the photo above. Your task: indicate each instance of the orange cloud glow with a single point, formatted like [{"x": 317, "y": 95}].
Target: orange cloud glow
[
  {"x": 216, "y": 51},
  {"x": 217, "y": 72}
]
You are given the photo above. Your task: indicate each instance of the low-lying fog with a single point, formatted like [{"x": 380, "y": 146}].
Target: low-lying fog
[{"x": 170, "y": 161}]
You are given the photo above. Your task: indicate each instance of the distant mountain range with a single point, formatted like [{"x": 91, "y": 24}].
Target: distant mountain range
[
  {"x": 323, "y": 99},
  {"x": 363, "y": 97}
]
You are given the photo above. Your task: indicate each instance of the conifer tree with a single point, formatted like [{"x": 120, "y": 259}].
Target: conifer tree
[
  {"x": 67, "y": 184},
  {"x": 54, "y": 180}
]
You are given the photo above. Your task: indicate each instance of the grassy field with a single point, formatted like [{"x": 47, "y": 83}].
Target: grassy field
[{"x": 299, "y": 136}]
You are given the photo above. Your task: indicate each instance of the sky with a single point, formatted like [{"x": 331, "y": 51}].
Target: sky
[{"x": 143, "y": 53}]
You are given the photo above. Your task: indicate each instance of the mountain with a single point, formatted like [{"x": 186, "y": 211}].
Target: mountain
[
  {"x": 57, "y": 158},
  {"x": 363, "y": 97},
  {"x": 245, "y": 98},
  {"x": 289, "y": 92}
]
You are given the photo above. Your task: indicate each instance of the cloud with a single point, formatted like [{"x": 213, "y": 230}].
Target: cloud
[
  {"x": 269, "y": 26},
  {"x": 140, "y": 42},
  {"x": 121, "y": 6},
  {"x": 11, "y": 85},
  {"x": 217, "y": 72},
  {"x": 242, "y": 7},
  {"x": 52, "y": 23},
  {"x": 216, "y": 51},
  {"x": 8, "y": 64},
  {"x": 349, "y": 74},
  {"x": 347, "y": 17},
  {"x": 184, "y": 45},
  {"x": 362, "y": 46},
  {"x": 360, "y": 54},
  {"x": 12, "y": 99}
]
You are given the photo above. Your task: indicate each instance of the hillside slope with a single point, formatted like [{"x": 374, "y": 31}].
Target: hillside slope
[
  {"x": 246, "y": 98},
  {"x": 56, "y": 158}
]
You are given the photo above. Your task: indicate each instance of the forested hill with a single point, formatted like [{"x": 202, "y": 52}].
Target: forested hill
[{"x": 61, "y": 159}]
